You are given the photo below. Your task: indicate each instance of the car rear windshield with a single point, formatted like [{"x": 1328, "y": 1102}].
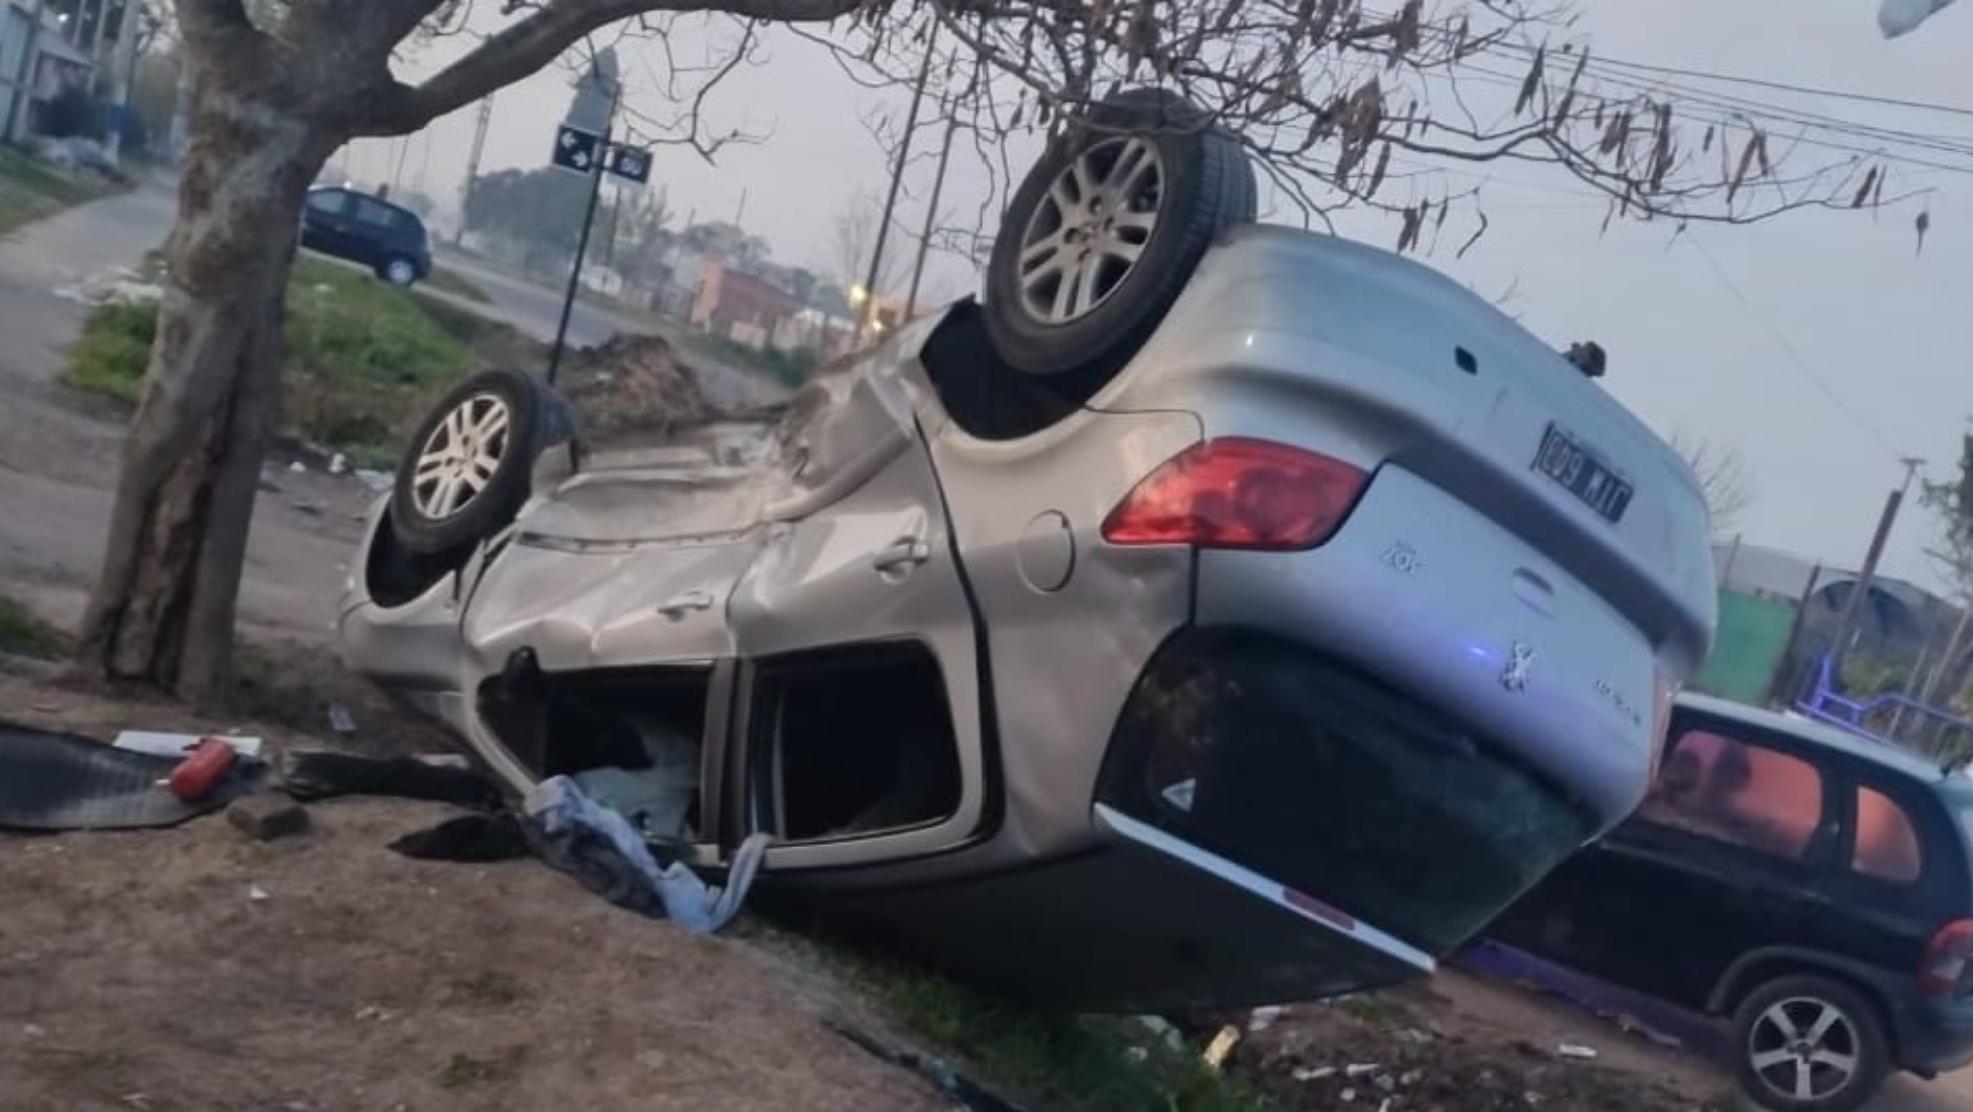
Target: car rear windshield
[{"x": 1335, "y": 786}]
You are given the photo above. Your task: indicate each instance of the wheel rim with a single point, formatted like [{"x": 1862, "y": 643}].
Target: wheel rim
[
  {"x": 400, "y": 273},
  {"x": 1803, "y": 1048},
  {"x": 459, "y": 458},
  {"x": 1090, "y": 229}
]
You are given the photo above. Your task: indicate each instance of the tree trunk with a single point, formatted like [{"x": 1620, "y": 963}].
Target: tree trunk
[{"x": 163, "y": 606}]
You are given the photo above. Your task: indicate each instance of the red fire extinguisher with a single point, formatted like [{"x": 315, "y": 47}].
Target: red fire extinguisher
[{"x": 202, "y": 769}]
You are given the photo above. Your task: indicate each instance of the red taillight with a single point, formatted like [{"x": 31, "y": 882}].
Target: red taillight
[
  {"x": 1238, "y": 493},
  {"x": 1948, "y": 960}
]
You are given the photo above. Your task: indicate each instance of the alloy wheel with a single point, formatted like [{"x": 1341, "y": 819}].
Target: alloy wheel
[
  {"x": 1090, "y": 229},
  {"x": 1804, "y": 1049},
  {"x": 459, "y": 458}
]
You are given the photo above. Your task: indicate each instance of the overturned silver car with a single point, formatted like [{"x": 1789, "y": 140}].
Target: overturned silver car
[{"x": 1213, "y": 614}]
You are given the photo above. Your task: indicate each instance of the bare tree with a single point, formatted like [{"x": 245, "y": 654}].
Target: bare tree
[
  {"x": 1340, "y": 102},
  {"x": 1723, "y": 476},
  {"x": 853, "y": 238}
]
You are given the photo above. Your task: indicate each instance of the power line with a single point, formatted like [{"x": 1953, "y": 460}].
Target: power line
[
  {"x": 1795, "y": 357},
  {"x": 1733, "y": 79}
]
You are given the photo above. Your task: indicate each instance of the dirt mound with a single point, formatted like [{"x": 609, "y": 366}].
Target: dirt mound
[{"x": 634, "y": 382}]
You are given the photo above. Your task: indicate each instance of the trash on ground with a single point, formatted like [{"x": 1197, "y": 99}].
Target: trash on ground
[
  {"x": 1316, "y": 1073},
  {"x": 338, "y": 464},
  {"x": 1577, "y": 1051},
  {"x": 599, "y": 847},
  {"x": 1221, "y": 1048},
  {"x": 320, "y": 774},
  {"x": 443, "y": 760},
  {"x": 477, "y": 839},
  {"x": 265, "y": 816},
  {"x": 1359, "y": 1069},
  {"x": 176, "y": 746},
  {"x": 202, "y": 770},
  {"x": 379, "y": 481},
  {"x": 256, "y": 893},
  {"x": 969, "y": 1093},
  {"x": 1162, "y": 1029},
  {"x": 340, "y": 720},
  {"x": 1263, "y": 1017},
  {"x": 297, "y": 466},
  {"x": 51, "y": 781}
]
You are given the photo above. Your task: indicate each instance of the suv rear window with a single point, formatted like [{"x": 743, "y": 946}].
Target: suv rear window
[
  {"x": 1746, "y": 795},
  {"x": 1886, "y": 844}
]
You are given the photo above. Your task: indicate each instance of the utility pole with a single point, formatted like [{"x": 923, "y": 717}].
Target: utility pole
[
  {"x": 938, "y": 187},
  {"x": 890, "y": 202},
  {"x": 1846, "y": 624},
  {"x": 740, "y": 210},
  {"x": 473, "y": 165},
  {"x": 1784, "y": 687},
  {"x": 582, "y": 243}
]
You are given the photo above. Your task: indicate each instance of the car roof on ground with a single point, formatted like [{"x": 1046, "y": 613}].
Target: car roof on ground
[{"x": 1830, "y": 737}]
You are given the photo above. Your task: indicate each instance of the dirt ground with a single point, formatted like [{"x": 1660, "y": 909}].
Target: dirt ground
[{"x": 138, "y": 970}]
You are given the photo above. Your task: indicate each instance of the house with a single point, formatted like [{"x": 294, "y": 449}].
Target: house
[
  {"x": 742, "y": 307},
  {"x": 36, "y": 64}
]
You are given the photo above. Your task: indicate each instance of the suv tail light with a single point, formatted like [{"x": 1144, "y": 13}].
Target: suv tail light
[
  {"x": 1234, "y": 492},
  {"x": 1948, "y": 966}
]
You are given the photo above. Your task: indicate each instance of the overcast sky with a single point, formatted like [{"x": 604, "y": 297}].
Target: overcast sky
[{"x": 1722, "y": 336}]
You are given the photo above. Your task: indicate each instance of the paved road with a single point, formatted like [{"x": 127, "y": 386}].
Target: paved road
[{"x": 59, "y": 452}]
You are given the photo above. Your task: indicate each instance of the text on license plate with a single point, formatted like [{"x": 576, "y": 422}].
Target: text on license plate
[{"x": 1571, "y": 465}]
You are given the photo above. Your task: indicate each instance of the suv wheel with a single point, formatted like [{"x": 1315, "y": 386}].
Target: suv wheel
[
  {"x": 1809, "y": 1044},
  {"x": 399, "y": 272}
]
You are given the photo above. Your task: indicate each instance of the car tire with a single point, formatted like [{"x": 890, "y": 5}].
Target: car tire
[
  {"x": 1081, "y": 275},
  {"x": 468, "y": 467},
  {"x": 1809, "y": 1044},
  {"x": 400, "y": 272}
]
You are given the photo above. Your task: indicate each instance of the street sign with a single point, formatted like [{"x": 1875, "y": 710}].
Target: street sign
[
  {"x": 631, "y": 163},
  {"x": 576, "y": 149}
]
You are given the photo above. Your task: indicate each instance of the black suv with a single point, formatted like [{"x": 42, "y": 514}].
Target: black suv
[
  {"x": 356, "y": 226},
  {"x": 1812, "y": 886}
]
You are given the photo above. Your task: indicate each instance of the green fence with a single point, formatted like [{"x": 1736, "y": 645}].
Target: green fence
[{"x": 1753, "y": 633}]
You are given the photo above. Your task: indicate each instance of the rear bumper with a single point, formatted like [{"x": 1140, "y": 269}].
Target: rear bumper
[
  {"x": 1435, "y": 599},
  {"x": 1934, "y": 1037}
]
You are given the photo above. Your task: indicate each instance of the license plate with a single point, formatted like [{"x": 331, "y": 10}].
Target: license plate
[{"x": 1582, "y": 474}]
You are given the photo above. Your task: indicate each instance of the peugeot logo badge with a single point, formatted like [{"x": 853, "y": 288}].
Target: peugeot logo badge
[{"x": 1520, "y": 661}]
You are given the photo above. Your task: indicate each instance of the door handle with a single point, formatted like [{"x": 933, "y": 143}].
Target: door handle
[
  {"x": 901, "y": 555},
  {"x": 679, "y": 605}
]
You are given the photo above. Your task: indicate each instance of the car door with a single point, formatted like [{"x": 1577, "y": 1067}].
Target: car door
[
  {"x": 369, "y": 234},
  {"x": 859, "y": 737},
  {"x": 325, "y": 221},
  {"x": 1726, "y": 854}
]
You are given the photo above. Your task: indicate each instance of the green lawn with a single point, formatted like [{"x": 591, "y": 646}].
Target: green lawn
[
  {"x": 26, "y": 635},
  {"x": 30, "y": 190},
  {"x": 363, "y": 358}
]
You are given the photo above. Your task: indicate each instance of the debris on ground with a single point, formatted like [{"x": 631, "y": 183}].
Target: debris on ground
[
  {"x": 320, "y": 774},
  {"x": 265, "y": 816},
  {"x": 53, "y": 781},
  {"x": 970, "y": 1094},
  {"x": 634, "y": 382},
  {"x": 202, "y": 770},
  {"x": 477, "y": 839},
  {"x": 378, "y": 481},
  {"x": 159, "y": 743},
  {"x": 599, "y": 847},
  {"x": 340, "y": 720},
  {"x": 1221, "y": 1047},
  {"x": 1577, "y": 1051}
]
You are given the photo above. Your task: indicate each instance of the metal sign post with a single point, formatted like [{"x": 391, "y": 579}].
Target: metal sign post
[{"x": 590, "y": 154}]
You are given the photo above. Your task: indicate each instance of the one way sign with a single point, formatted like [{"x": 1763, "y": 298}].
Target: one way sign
[{"x": 576, "y": 149}]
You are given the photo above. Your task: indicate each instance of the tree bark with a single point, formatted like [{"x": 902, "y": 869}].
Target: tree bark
[{"x": 163, "y": 606}]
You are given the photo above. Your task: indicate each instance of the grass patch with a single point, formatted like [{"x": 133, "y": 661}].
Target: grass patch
[
  {"x": 789, "y": 368},
  {"x": 24, "y": 634},
  {"x": 363, "y": 358},
  {"x": 452, "y": 282},
  {"x": 30, "y": 190},
  {"x": 1078, "y": 1063}
]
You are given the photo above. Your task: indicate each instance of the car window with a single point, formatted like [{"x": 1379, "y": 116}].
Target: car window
[
  {"x": 1730, "y": 791},
  {"x": 1887, "y": 846},
  {"x": 375, "y": 213},
  {"x": 328, "y": 201}
]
